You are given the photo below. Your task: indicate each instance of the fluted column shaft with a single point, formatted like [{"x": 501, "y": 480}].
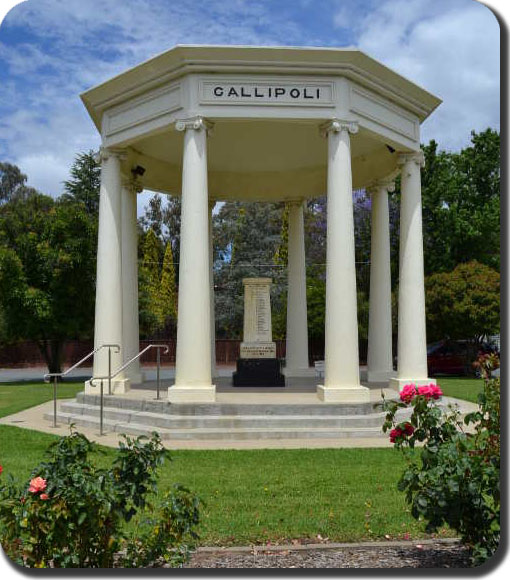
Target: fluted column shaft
[
  {"x": 297, "y": 320},
  {"x": 108, "y": 317},
  {"x": 380, "y": 359},
  {"x": 412, "y": 340},
  {"x": 193, "y": 356},
  {"x": 130, "y": 324},
  {"x": 211, "y": 286},
  {"x": 341, "y": 371}
]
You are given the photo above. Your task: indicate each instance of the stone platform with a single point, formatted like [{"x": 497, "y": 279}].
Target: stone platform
[{"x": 246, "y": 414}]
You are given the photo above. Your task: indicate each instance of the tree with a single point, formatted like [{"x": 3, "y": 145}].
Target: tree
[
  {"x": 85, "y": 182},
  {"x": 464, "y": 303},
  {"x": 461, "y": 197},
  {"x": 47, "y": 272},
  {"x": 148, "y": 283},
  {"x": 13, "y": 184},
  {"x": 246, "y": 236},
  {"x": 167, "y": 298}
]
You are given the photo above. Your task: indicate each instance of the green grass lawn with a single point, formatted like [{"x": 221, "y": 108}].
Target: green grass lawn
[
  {"x": 259, "y": 495},
  {"x": 461, "y": 387},
  {"x": 16, "y": 396},
  {"x": 269, "y": 495}
]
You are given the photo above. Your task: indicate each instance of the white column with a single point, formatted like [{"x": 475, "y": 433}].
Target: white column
[
  {"x": 108, "y": 320},
  {"x": 412, "y": 339},
  {"x": 297, "y": 320},
  {"x": 193, "y": 358},
  {"x": 130, "y": 328},
  {"x": 211, "y": 286},
  {"x": 341, "y": 368},
  {"x": 380, "y": 358}
]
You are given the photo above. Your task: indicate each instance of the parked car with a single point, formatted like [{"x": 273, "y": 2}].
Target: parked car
[{"x": 455, "y": 357}]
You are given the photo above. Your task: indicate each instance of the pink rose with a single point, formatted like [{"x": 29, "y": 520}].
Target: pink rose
[
  {"x": 37, "y": 484},
  {"x": 408, "y": 429},
  {"x": 44, "y": 496},
  {"x": 408, "y": 393},
  {"x": 430, "y": 391},
  {"x": 1, "y": 469},
  {"x": 394, "y": 433}
]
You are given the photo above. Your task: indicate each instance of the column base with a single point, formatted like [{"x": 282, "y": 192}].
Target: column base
[
  {"x": 298, "y": 372},
  {"x": 399, "y": 384},
  {"x": 119, "y": 387},
  {"x": 380, "y": 376},
  {"x": 192, "y": 394},
  {"x": 137, "y": 378},
  {"x": 356, "y": 394}
]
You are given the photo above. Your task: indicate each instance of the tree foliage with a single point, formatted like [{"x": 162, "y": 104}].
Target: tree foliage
[
  {"x": 85, "y": 181},
  {"x": 167, "y": 295},
  {"x": 13, "y": 184},
  {"x": 148, "y": 284},
  {"x": 47, "y": 271},
  {"x": 463, "y": 303},
  {"x": 461, "y": 197}
]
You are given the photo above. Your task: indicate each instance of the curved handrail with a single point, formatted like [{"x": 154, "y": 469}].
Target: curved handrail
[
  {"x": 55, "y": 375},
  {"x": 131, "y": 360},
  {"x": 48, "y": 375}
]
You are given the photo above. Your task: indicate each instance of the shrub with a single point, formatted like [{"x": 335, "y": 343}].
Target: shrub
[
  {"x": 454, "y": 477},
  {"x": 73, "y": 514}
]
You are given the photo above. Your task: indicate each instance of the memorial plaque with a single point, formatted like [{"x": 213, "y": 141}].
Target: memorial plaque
[{"x": 258, "y": 365}]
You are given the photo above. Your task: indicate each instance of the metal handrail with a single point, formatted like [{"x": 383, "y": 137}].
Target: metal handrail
[
  {"x": 76, "y": 365},
  {"x": 111, "y": 375}
]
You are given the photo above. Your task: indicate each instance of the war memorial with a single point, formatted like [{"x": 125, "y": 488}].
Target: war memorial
[{"x": 216, "y": 123}]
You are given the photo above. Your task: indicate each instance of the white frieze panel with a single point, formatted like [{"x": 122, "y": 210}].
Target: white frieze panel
[
  {"x": 267, "y": 92},
  {"x": 384, "y": 113},
  {"x": 150, "y": 106}
]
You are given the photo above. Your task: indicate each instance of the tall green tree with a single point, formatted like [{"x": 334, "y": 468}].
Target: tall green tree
[
  {"x": 13, "y": 184},
  {"x": 461, "y": 199},
  {"x": 47, "y": 272},
  {"x": 463, "y": 303},
  {"x": 84, "y": 183},
  {"x": 167, "y": 298},
  {"x": 148, "y": 284}
]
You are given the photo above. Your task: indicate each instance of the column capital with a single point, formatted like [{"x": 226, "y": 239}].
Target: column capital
[
  {"x": 196, "y": 123},
  {"x": 105, "y": 152},
  {"x": 415, "y": 157},
  {"x": 132, "y": 184},
  {"x": 296, "y": 202},
  {"x": 387, "y": 184},
  {"x": 338, "y": 125}
]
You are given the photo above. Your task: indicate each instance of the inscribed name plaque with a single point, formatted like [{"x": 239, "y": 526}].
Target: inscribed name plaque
[
  {"x": 257, "y": 336},
  {"x": 258, "y": 365}
]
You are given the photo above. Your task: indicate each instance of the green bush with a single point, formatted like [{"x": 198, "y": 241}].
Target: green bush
[
  {"x": 454, "y": 477},
  {"x": 73, "y": 514}
]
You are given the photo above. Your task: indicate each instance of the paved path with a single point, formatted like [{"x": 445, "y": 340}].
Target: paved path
[{"x": 33, "y": 419}]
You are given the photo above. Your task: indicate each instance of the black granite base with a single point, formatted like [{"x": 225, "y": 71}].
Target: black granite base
[{"x": 258, "y": 372}]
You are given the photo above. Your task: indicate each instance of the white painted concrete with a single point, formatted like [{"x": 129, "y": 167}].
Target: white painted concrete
[
  {"x": 108, "y": 319},
  {"x": 193, "y": 357},
  {"x": 380, "y": 358},
  {"x": 412, "y": 340},
  {"x": 211, "y": 286},
  {"x": 297, "y": 319},
  {"x": 130, "y": 325},
  {"x": 341, "y": 361}
]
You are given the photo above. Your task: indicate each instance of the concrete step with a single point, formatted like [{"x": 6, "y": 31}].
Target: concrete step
[
  {"x": 226, "y": 434},
  {"x": 165, "y": 407},
  {"x": 169, "y": 421}
]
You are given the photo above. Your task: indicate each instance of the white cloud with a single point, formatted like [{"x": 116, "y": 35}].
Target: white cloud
[{"x": 449, "y": 48}]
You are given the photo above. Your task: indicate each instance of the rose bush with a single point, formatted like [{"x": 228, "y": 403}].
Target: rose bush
[
  {"x": 453, "y": 478},
  {"x": 73, "y": 514}
]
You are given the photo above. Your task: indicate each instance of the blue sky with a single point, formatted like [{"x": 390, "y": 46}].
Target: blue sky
[{"x": 51, "y": 50}]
